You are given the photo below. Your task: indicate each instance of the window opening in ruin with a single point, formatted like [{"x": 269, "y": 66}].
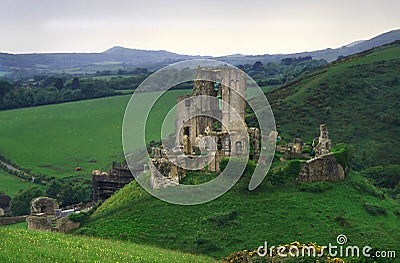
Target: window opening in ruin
[
  {"x": 239, "y": 147},
  {"x": 186, "y": 131}
]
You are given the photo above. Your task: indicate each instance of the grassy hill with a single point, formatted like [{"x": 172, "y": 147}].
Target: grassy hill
[
  {"x": 358, "y": 99},
  {"x": 54, "y": 139},
  {"x": 20, "y": 245},
  {"x": 243, "y": 219},
  {"x": 11, "y": 184}
]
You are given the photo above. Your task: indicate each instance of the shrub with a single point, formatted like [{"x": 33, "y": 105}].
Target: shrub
[
  {"x": 374, "y": 210},
  {"x": 397, "y": 213},
  {"x": 341, "y": 153},
  {"x": 306, "y": 150},
  {"x": 80, "y": 217},
  {"x": 383, "y": 176}
]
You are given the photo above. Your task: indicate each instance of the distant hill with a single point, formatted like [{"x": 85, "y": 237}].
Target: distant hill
[
  {"x": 357, "y": 97},
  {"x": 120, "y": 57},
  {"x": 328, "y": 54}
]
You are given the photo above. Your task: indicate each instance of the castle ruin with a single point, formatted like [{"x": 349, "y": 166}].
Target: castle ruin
[{"x": 218, "y": 110}]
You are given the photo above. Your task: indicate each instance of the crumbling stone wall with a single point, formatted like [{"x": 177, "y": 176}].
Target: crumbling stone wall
[
  {"x": 104, "y": 184},
  {"x": 320, "y": 169},
  {"x": 39, "y": 222},
  {"x": 10, "y": 220},
  {"x": 164, "y": 173},
  {"x": 44, "y": 205}
]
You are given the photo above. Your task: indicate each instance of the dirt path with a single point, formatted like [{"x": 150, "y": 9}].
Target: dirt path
[{"x": 11, "y": 167}]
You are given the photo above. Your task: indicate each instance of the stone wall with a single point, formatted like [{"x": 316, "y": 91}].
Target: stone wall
[
  {"x": 44, "y": 205},
  {"x": 104, "y": 184},
  {"x": 44, "y": 223},
  {"x": 38, "y": 222},
  {"x": 320, "y": 169},
  {"x": 10, "y": 220}
]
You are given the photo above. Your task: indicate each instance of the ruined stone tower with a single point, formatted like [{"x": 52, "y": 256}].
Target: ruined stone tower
[
  {"x": 324, "y": 145},
  {"x": 218, "y": 94}
]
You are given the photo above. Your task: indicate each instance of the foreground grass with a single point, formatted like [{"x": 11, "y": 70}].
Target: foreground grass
[
  {"x": 243, "y": 219},
  {"x": 20, "y": 245},
  {"x": 54, "y": 139}
]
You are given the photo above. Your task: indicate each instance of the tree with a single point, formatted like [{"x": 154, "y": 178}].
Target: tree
[
  {"x": 88, "y": 89},
  {"x": 75, "y": 83},
  {"x": 258, "y": 66},
  {"x": 59, "y": 84},
  {"x": 20, "y": 204},
  {"x": 5, "y": 87},
  {"x": 54, "y": 189}
]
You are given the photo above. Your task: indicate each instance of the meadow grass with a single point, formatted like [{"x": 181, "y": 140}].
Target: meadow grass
[
  {"x": 19, "y": 245},
  {"x": 11, "y": 184},
  {"x": 54, "y": 139},
  {"x": 242, "y": 219}
]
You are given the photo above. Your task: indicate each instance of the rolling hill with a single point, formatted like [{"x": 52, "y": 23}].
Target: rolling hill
[
  {"x": 54, "y": 139},
  {"x": 119, "y": 57},
  {"x": 357, "y": 97},
  {"x": 243, "y": 219}
]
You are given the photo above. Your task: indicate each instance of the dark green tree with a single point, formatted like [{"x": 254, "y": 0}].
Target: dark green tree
[
  {"x": 20, "y": 204},
  {"x": 59, "y": 84},
  {"x": 54, "y": 189},
  {"x": 5, "y": 87},
  {"x": 75, "y": 83}
]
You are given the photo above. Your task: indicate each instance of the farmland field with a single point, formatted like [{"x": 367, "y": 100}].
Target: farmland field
[
  {"x": 54, "y": 139},
  {"x": 11, "y": 184}
]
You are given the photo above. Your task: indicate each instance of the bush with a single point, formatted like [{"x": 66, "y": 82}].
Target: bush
[
  {"x": 341, "y": 153},
  {"x": 374, "y": 210},
  {"x": 383, "y": 176},
  {"x": 397, "y": 213},
  {"x": 20, "y": 204},
  {"x": 287, "y": 173},
  {"x": 80, "y": 217},
  {"x": 306, "y": 150}
]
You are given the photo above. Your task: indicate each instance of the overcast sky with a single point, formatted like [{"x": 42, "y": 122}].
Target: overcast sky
[{"x": 204, "y": 27}]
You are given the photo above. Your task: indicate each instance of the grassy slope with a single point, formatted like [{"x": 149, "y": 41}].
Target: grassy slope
[
  {"x": 54, "y": 139},
  {"x": 244, "y": 220},
  {"x": 20, "y": 245},
  {"x": 11, "y": 184},
  {"x": 357, "y": 98}
]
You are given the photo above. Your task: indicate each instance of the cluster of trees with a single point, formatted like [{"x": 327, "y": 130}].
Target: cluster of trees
[
  {"x": 386, "y": 177},
  {"x": 290, "y": 61},
  {"x": 52, "y": 89},
  {"x": 136, "y": 71},
  {"x": 275, "y": 73},
  {"x": 65, "y": 192}
]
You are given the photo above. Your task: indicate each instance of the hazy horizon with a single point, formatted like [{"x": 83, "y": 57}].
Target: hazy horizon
[{"x": 207, "y": 28}]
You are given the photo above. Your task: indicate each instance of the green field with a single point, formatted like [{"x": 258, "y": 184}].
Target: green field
[
  {"x": 11, "y": 184},
  {"x": 20, "y": 245},
  {"x": 54, "y": 139},
  {"x": 242, "y": 219}
]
